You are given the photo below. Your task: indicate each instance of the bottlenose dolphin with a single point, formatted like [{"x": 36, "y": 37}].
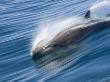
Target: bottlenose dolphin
[{"x": 71, "y": 36}]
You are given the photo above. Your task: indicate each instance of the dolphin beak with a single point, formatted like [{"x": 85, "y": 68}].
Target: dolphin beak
[
  {"x": 40, "y": 52},
  {"x": 36, "y": 54}
]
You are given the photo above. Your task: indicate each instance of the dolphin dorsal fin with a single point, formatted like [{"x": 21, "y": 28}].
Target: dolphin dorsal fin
[{"x": 87, "y": 15}]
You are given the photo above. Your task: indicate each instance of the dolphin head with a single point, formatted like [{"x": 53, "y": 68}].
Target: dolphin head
[{"x": 42, "y": 49}]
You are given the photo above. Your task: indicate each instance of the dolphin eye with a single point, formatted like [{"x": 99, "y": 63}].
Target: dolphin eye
[{"x": 54, "y": 45}]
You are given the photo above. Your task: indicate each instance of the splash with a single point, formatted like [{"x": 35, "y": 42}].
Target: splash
[{"x": 100, "y": 9}]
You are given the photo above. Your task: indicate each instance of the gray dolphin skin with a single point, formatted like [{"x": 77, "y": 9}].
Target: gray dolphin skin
[{"x": 72, "y": 36}]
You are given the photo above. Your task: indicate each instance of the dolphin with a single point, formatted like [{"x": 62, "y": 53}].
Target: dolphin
[{"x": 71, "y": 36}]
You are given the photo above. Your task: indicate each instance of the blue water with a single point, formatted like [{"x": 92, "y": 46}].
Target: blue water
[{"x": 18, "y": 21}]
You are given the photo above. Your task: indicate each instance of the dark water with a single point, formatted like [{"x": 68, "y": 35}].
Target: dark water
[{"x": 18, "y": 20}]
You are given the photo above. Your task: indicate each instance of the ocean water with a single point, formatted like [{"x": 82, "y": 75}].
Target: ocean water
[{"x": 19, "y": 19}]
